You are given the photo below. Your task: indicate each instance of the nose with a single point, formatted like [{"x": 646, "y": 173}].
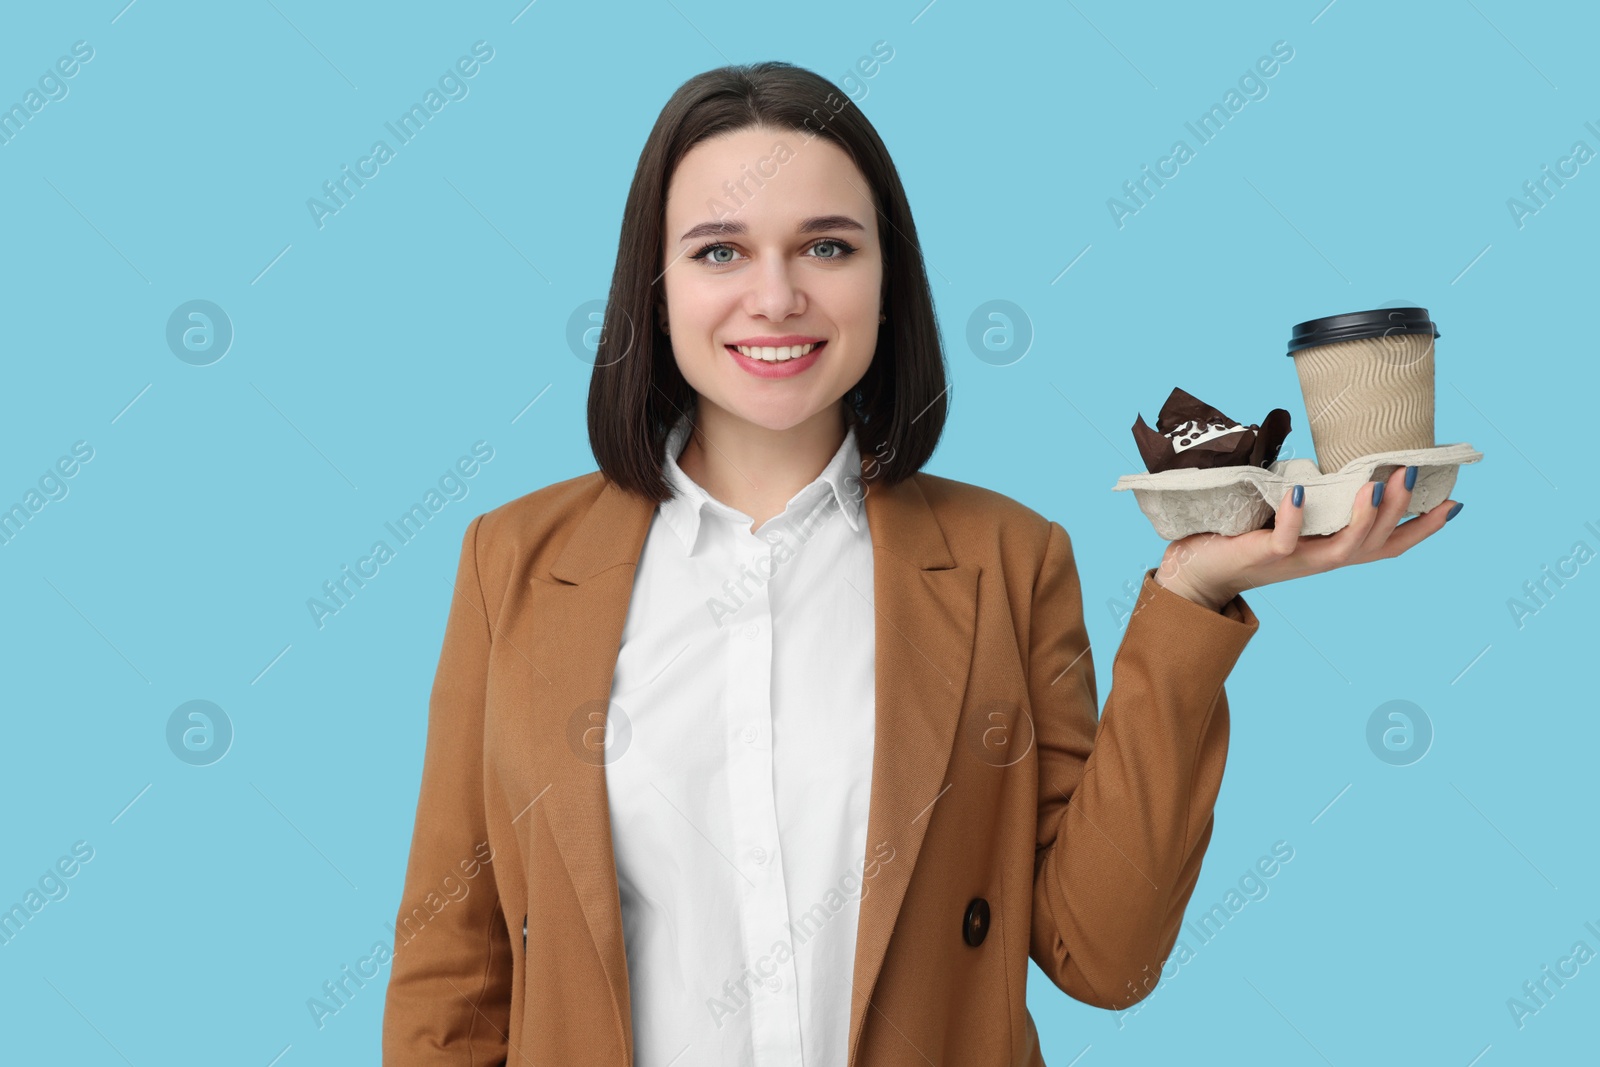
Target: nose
[{"x": 774, "y": 293}]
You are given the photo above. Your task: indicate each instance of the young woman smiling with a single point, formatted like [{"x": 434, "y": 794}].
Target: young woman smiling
[{"x": 787, "y": 751}]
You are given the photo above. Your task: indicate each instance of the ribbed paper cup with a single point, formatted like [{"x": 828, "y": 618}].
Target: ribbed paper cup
[{"x": 1367, "y": 378}]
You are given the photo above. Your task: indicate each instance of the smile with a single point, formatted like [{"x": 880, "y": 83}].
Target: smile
[
  {"x": 780, "y": 354},
  {"x": 777, "y": 361}
]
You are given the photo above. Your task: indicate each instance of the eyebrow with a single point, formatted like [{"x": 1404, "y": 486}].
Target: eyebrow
[{"x": 815, "y": 224}]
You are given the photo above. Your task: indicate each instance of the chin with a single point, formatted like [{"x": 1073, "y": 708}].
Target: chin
[{"x": 775, "y": 413}]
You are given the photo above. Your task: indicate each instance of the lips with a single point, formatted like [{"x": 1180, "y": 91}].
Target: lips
[{"x": 775, "y": 367}]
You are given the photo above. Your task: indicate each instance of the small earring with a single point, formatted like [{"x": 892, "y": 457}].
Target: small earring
[{"x": 883, "y": 318}]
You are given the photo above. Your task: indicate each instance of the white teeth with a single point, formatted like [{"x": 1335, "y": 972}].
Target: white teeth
[{"x": 774, "y": 355}]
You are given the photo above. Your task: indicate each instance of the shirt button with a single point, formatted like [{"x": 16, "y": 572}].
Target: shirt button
[
  {"x": 758, "y": 854},
  {"x": 753, "y": 629},
  {"x": 749, "y": 734}
]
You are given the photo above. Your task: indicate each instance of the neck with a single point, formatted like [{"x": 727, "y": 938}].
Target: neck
[{"x": 752, "y": 468}]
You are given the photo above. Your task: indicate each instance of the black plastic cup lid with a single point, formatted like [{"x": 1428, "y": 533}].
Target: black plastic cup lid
[{"x": 1358, "y": 325}]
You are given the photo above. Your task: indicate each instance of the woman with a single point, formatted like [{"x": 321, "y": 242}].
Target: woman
[{"x": 757, "y": 745}]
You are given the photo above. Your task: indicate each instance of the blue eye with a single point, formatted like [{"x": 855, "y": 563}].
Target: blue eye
[
  {"x": 705, "y": 252},
  {"x": 841, "y": 250}
]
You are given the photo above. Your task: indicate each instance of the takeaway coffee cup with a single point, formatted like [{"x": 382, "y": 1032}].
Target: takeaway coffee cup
[{"x": 1367, "y": 379}]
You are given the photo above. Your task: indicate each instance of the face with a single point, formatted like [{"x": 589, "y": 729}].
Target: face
[{"x": 771, "y": 243}]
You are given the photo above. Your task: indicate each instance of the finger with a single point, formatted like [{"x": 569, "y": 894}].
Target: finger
[
  {"x": 1345, "y": 543},
  {"x": 1396, "y": 498},
  {"x": 1414, "y": 530},
  {"x": 1287, "y": 524}
]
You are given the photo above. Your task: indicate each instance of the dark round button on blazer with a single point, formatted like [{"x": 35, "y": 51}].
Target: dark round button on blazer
[{"x": 975, "y": 925}]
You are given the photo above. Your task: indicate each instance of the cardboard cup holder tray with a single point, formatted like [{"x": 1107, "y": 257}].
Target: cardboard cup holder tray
[{"x": 1238, "y": 499}]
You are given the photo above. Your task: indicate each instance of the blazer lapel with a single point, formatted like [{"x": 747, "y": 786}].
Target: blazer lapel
[
  {"x": 566, "y": 644},
  {"x": 570, "y": 633},
  {"x": 926, "y": 608}
]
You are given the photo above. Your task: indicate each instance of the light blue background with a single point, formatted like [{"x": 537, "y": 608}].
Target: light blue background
[{"x": 430, "y": 312}]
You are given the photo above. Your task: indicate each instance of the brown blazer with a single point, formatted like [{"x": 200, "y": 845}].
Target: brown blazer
[{"x": 1017, "y": 825}]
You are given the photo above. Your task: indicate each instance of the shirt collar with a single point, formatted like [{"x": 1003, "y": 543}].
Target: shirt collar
[{"x": 841, "y": 477}]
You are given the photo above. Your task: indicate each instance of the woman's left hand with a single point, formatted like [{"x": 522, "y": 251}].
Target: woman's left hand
[{"x": 1211, "y": 568}]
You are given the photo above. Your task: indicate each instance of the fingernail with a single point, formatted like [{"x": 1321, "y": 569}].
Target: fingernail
[
  {"x": 1299, "y": 496},
  {"x": 1377, "y": 493},
  {"x": 1453, "y": 512},
  {"x": 1411, "y": 478}
]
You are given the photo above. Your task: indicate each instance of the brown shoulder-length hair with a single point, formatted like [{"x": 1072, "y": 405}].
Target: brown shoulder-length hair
[{"x": 637, "y": 393}]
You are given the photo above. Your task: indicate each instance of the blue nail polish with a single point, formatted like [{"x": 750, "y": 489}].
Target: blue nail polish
[
  {"x": 1377, "y": 493},
  {"x": 1299, "y": 495},
  {"x": 1411, "y": 478},
  {"x": 1453, "y": 512}
]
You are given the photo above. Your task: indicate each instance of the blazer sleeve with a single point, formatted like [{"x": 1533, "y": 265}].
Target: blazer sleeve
[
  {"x": 1125, "y": 804},
  {"x": 449, "y": 993}
]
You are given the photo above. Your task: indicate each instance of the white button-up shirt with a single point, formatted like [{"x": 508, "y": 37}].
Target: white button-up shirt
[{"x": 739, "y": 772}]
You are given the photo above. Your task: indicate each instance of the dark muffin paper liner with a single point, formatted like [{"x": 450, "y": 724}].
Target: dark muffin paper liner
[{"x": 1191, "y": 434}]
